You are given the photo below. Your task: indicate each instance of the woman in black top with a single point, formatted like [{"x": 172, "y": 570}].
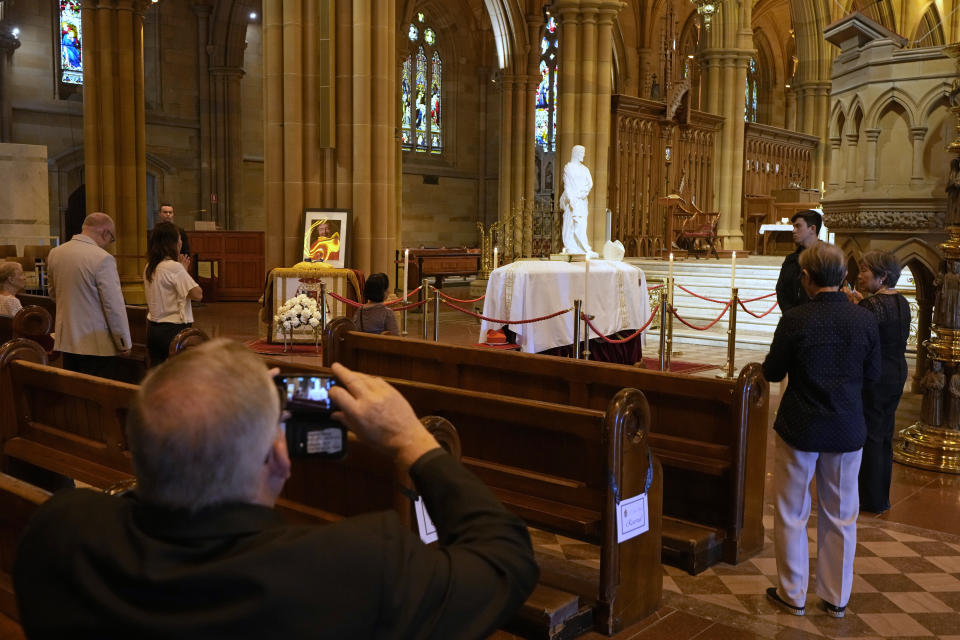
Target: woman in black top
[
  {"x": 374, "y": 316},
  {"x": 879, "y": 272}
]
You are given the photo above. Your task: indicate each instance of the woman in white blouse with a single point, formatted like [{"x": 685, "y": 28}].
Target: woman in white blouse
[
  {"x": 11, "y": 283},
  {"x": 169, "y": 290}
]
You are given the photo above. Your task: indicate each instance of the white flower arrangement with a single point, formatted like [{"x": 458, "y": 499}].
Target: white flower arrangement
[{"x": 300, "y": 311}]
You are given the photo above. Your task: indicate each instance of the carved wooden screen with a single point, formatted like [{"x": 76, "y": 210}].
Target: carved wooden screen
[
  {"x": 639, "y": 172},
  {"x": 774, "y": 158}
]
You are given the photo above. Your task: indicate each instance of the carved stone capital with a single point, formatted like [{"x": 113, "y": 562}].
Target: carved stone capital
[
  {"x": 885, "y": 220},
  {"x": 8, "y": 42}
]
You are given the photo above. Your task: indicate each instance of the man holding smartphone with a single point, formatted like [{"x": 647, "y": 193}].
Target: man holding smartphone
[{"x": 197, "y": 551}]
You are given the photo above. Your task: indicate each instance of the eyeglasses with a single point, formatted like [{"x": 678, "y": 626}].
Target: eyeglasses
[{"x": 112, "y": 237}]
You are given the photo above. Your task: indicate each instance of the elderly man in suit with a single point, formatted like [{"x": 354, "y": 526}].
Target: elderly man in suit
[{"x": 91, "y": 326}]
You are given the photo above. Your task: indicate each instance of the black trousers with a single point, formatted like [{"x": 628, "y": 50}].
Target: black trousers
[
  {"x": 100, "y": 366},
  {"x": 879, "y": 409},
  {"x": 159, "y": 337}
]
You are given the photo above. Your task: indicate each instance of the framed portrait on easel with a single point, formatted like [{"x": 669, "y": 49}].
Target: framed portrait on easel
[{"x": 326, "y": 236}]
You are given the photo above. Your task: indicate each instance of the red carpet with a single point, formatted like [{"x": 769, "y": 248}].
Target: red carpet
[
  {"x": 679, "y": 366},
  {"x": 264, "y": 347}
]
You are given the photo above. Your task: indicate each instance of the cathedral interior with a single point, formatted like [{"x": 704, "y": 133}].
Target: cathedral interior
[{"x": 429, "y": 119}]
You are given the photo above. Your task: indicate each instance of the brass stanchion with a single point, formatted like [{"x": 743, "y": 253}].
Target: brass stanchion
[
  {"x": 576, "y": 328},
  {"x": 664, "y": 314},
  {"x": 436, "y": 315},
  {"x": 424, "y": 292},
  {"x": 323, "y": 305},
  {"x": 731, "y": 335}
]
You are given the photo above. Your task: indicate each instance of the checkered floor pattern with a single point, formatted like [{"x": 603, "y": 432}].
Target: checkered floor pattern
[{"x": 906, "y": 586}]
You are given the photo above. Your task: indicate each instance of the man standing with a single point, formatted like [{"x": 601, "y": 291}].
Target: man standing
[
  {"x": 806, "y": 228},
  {"x": 91, "y": 326},
  {"x": 165, "y": 214},
  {"x": 197, "y": 551},
  {"x": 830, "y": 348}
]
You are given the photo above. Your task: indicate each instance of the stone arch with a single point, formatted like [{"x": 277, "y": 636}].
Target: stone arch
[
  {"x": 932, "y": 99},
  {"x": 228, "y": 32},
  {"x": 920, "y": 252},
  {"x": 855, "y": 125},
  {"x": 838, "y": 119},
  {"x": 882, "y": 104},
  {"x": 929, "y": 29}
]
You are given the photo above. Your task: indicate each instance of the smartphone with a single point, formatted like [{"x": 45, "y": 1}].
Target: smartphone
[{"x": 310, "y": 430}]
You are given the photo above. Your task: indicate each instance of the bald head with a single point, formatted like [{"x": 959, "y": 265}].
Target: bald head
[
  {"x": 203, "y": 424},
  {"x": 99, "y": 227}
]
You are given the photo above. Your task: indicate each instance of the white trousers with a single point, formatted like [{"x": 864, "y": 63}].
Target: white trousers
[{"x": 838, "y": 504}]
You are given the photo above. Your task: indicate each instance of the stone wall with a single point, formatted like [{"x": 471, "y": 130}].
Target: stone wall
[{"x": 24, "y": 200}]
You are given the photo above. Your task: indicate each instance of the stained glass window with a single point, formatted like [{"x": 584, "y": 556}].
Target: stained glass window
[
  {"x": 71, "y": 60},
  {"x": 421, "y": 93},
  {"x": 545, "y": 118},
  {"x": 750, "y": 111}
]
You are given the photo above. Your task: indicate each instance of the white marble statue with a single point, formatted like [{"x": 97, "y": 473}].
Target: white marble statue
[{"x": 577, "y": 184}]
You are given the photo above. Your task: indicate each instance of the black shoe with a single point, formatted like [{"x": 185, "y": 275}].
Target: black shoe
[
  {"x": 832, "y": 611},
  {"x": 774, "y": 597}
]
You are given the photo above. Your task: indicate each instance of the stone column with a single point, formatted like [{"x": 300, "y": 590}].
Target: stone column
[
  {"x": 8, "y": 44},
  {"x": 790, "y": 115},
  {"x": 851, "y": 159},
  {"x": 586, "y": 32},
  {"x": 917, "y": 136},
  {"x": 114, "y": 129},
  {"x": 331, "y": 118},
  {"x": 202, "y": 11},
  {"x": 225, "y": 162},
  {"x": 835, "y": 178},
  {"x": 870, "y": 172},
  {"x": 505, "y": 207},
  {"x": 813, "y": 104}
]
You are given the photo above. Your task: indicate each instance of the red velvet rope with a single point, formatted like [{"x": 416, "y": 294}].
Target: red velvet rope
[
  {"x": 399, "y": 300},
  {"x": 412, "y": 305},
  {"x": 754, "y": 314},
  {"x": 357, "y": 305},
  {"x": 495, "y": 321},
  {"x": 351, "y": 303},
  {"x": 659, "y": 286},
  {"x": 715, "y": 321},
  {"x": 446, "y": 297},
  {"x": 621, "y": 340},
  {"x": 697, "y": 295},
  {"x": 760, "y": 298}
]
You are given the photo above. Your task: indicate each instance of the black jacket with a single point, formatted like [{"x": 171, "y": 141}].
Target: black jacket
[
  {"x": 790, "y": 292},
  {"x": 94, "y": 566},
  {"x": 830, "y": 348}
]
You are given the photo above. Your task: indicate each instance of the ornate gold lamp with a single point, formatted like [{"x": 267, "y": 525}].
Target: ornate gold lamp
[{"x": 934, "y": 442}]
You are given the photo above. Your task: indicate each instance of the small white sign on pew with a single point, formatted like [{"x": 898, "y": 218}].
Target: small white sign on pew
[
  {"x": 633, "y": 517},
  {"x": 428, "y": 531}
]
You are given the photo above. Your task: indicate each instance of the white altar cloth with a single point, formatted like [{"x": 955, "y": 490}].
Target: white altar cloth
[{"x": 530, "y": 289}]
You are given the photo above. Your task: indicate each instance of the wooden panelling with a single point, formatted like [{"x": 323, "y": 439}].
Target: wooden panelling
[{"x": 241, "y": 261}]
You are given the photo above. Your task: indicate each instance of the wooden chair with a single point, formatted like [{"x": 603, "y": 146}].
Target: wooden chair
[
  {"x": 698, "y": 229},
  {"x": 34, "y": 251},
  {"x": 8, "y": 251},
  {"x": 186, "y": 339}
]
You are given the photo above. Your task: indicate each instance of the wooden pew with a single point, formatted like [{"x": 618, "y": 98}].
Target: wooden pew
[
  {"x": 18, "y": 501},
  {"x": 710, "y": 434},
  {"x": 582, "y": 461},
  {"x": 562, "y": 469},
  {"x": 133, "y": 367}
]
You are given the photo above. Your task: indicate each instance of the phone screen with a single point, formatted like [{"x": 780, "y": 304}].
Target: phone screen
[{"x": 308, "y": 392}]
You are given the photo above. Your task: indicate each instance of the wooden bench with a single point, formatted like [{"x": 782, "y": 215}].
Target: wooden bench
[
  {"x": 133, "y": 367},
  {"x": 32, "y": 322},
  {"x": 18, "y": 501},
  {"x": 710, "y": 434},
  {"x": 563, "y": 469},
  {"x": 581, "y": 461}
]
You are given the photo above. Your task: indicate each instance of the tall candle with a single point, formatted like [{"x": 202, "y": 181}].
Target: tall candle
[
  {"x": 406, "y": 263},
  {"x": 495, "y": 257},
  {"x": 670, "y": 273},
  {"x": 733, "y": 271},
  {"x": 586, "y": 286}
]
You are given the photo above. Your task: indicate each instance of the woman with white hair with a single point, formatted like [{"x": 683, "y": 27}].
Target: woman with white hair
[{"x": 11, "y": 283}]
